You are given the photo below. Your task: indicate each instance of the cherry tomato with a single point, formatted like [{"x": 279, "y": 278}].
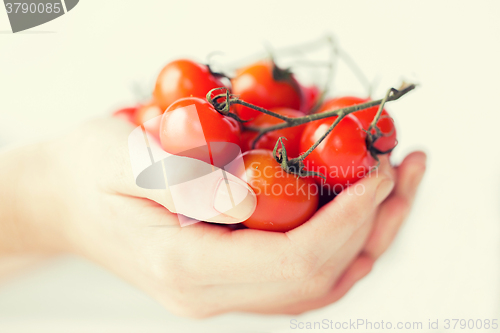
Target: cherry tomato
[
  {"x": 192, "y": 127},
  {"x": 342, "y": 102},
  {"x": 184, "y": 78},
  {"x": 342, "y": 156},
  {"x": 311, "y": 95},
  {"x": 265, "y": 85},
  {"x": 284, "y": 201},
  {"x": 126, "y": 113},
  {"x": 147, "y": 116},
  {"x": 388, "y": 140},
  {"x": 268, "y": 141}
]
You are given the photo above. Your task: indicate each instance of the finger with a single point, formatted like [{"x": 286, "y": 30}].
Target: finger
[
  {"x": 335, "y": 223},
  {"x": 195, "y": 190},
  {"x": 343, "y": 258},
  {"x": 282, "y": 302},
  {"x": 343, "y": 270},
  {"x": 356, "y": 271},
  {"x": 280, "y": 296},
  {"x": 240, "y": 256},
  {"x": 396, "y": 208}
]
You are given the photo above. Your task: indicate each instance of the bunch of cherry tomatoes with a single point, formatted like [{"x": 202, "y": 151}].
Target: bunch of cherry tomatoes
[{"x": 290, "y": 168}]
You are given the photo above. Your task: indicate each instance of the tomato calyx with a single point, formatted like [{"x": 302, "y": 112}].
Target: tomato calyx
[
  {"x": 372, "y": 135},
  {"x": 282, "y": 74},
  {"x": 222, "y": 103},
  {"x": 371, "y": 139},
  {"x": 286, "y": 75},
  {"x": 293, "y": 166},
  {"x": 218, "y": 75}
]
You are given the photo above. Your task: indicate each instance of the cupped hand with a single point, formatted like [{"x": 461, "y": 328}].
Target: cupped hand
[{"x": 206, "y": 269}]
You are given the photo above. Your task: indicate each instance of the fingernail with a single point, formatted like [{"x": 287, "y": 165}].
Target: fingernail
[
  {"x": 383, "y": 190},
  {"x": 234, "y": 200}
]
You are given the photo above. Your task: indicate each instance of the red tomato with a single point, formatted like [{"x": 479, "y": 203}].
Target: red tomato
[
  {"x": 388, "y": 140},
  {"x": 342, "y": 156},
  {"x": 146, "y": 115},
  {"x": 183, "y": 78},
  {"x": 192, "y": 127},
  {"x": 311, "y": 95},
  {"x": 342, "y": 102},
  {"x": 268, "y": 141},
  {"x": 284, "y": 201},
  {"x": 126, "y": 113},
  {"x": 264, "y": 85}
]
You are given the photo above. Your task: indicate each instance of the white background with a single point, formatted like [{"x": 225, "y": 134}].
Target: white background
[{"x": 445, "y": 261}]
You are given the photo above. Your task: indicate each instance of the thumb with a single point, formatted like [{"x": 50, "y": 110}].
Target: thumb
[{"x": 195, "y": 190}]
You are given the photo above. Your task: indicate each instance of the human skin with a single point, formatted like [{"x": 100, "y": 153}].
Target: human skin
[{"x": 76, "y": 194}]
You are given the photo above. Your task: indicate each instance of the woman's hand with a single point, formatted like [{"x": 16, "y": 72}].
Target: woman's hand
[{"x": 78, "y": 194}]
